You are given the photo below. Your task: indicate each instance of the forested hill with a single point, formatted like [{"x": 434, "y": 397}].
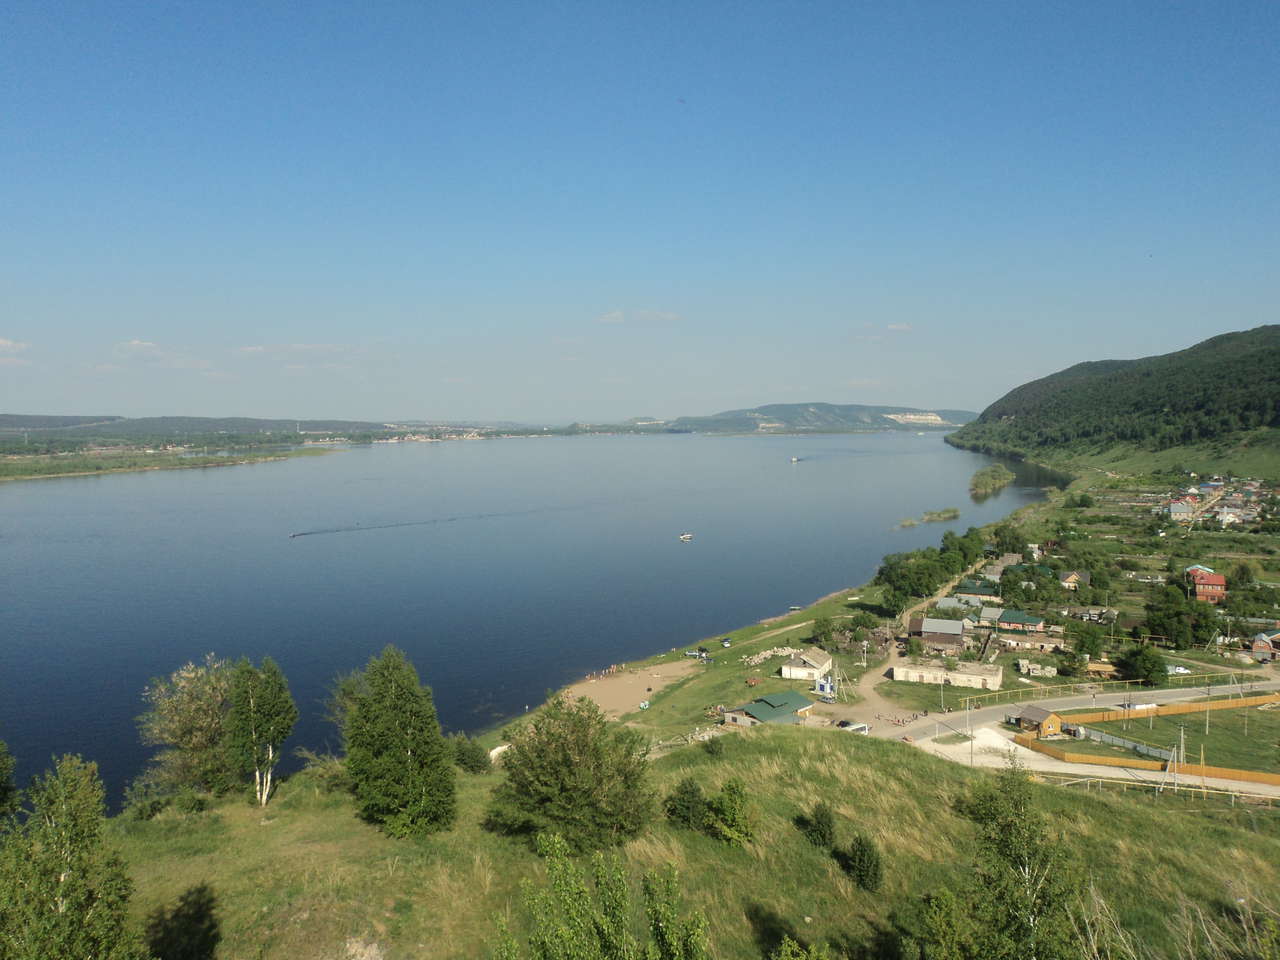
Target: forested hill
[
  {"x": 1212, "y": 392},
  {"x": 820, "y": 418}
]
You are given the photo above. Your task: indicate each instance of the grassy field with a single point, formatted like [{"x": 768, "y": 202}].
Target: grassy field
[
  {"x": 308, "y": 878},
  {"x": 1227, "y": 743},
  {"x": 924, "y": 696}
]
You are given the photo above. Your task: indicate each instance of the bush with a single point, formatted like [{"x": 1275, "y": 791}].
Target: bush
[
  {"x": 328, "y": 772},
  {"x": 569, "y": 771},
  {"x": 727, "y": 815},
  {"x": 714, "y": 747},
  {"x": 468, "y": 754},
  {"x": 820, "y": 828},
  {"x": 686, "y": 805},
  {"x": 862, "y": 863}
]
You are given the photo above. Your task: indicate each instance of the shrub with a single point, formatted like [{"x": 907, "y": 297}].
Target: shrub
[
  {"x": 727, "y": 815},
  {"x": 862, "y": 862},
  {"x": 820, "y": 828},
  {"x": 571, "y": 772},
  {"x": 714, "y": 747},
  {"x": 468, "y": 754},
  {"x": 686, "y": 805}
]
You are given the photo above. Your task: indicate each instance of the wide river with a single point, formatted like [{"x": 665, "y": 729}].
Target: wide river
[{"x": 505, "y": 568}]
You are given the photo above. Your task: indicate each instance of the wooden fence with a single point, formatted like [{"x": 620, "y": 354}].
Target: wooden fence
[
  {"x": 1182, "y": 769},
  {"x": 1170, "y": 709}
]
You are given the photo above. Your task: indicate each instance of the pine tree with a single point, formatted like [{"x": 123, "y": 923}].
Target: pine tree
[
  {"x": 62, "y": 892},
  {"x": 401, "y": 769},
  {"x": 260, "y": 719}
]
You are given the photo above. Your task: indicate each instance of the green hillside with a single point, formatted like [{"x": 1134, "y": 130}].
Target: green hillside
[
  {"x": 1217, "y": 400},
  {"x": 309, "y": 879},
  {"x": 821, "y": 418}
]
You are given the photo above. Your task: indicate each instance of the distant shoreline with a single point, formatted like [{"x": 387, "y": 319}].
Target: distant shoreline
[{"x": 176, "y": 463}]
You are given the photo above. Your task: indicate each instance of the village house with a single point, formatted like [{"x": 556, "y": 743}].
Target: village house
[
  {"x": 1074, "y": 579},
  {"x": 1019, "y": 621},
  {"x": 1265, "y": 647},
  {"x": 809, "y": 664},
  {"x": 983, "y": 676},
  {"x": 980, "y": 590},
  {"x": 786, "y": 707},
  {"x": 1038, "y": 720},
  {"x": 989, "y": 616},
  {"x": 1091, "y": 614},
  {"x": 956, "y": 603},
  {"x": 1209, "y": 587}
]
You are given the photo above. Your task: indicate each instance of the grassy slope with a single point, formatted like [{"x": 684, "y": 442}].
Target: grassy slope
[
  {"x": 308, "y": 876},
  {"x": 1252, "y": 454}
]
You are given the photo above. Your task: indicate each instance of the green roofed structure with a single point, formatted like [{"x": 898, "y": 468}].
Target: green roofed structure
[{"x": 785, "y": 707}]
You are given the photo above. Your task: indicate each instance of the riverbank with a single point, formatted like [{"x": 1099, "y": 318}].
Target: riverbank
[{"x": 56, "y": 466}]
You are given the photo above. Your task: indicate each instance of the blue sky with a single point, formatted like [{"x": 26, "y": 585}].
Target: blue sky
[{"x": 557, "y": 211}]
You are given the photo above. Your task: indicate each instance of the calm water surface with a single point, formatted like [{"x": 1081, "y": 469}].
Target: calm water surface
[{"x": 505, "y": 568}]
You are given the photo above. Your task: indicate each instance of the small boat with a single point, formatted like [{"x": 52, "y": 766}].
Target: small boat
[
  {"x": 686, "y": 537},
  {"x": 795, "y": 459}
]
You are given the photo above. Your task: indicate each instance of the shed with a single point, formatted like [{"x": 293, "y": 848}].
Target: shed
[
  {"x": 785, "y": 707},
  {"x": 1040, "y": 721}
]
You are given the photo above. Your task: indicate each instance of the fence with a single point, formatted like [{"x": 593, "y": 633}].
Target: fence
[
  {"x": 1171, "y": 709},
  {"x": 1067, "y": 756},
  {"x": 1181, "y": 769},
  {"x": 1137, "y": 746},
  {"x": 1054, "y": 691},
  {"x": 1184, "y": 789}
]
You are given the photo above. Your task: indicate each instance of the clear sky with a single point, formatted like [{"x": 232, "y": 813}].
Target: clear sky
[{"x": 552, "y": 211}]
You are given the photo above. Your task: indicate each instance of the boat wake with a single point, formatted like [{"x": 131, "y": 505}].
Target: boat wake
[{"x": 361, "y": 527}]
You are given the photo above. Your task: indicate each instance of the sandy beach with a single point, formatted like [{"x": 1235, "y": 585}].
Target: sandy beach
[{"x": 621, "y": 692}]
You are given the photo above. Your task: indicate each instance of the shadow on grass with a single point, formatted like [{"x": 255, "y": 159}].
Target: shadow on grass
[
  {"x": 769, "y": 927},
  {"x": 187, "y": 931}
]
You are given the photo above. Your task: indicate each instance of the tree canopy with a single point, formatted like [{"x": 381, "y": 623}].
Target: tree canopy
[
  {"x": 400, "y": 767},
  {"x": 62, "y": 892},
  {"x": 261, "y": 717},
  {"x": 570, "y": 772}
]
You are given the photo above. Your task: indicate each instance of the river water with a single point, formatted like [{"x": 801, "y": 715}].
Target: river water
[{"x": 504, "y": 568}]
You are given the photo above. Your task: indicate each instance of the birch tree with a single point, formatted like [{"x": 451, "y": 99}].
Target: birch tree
[
  {"x": 62, "y": 892},
  {"x": 401, "y": 769},
  {"x": 262, "y": 714}
]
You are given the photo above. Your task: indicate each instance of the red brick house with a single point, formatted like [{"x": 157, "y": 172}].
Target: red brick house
[{"x": 1209, "y": 587}]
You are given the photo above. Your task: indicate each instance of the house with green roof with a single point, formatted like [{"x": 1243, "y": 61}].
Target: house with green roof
[
  {"x": 785, "y": 707},
  {"x": 1019, "y": 621},
  {"x": 979, "y": 590}
]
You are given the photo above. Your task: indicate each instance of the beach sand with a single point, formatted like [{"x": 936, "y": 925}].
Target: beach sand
[{"x": 621, "y": 692}]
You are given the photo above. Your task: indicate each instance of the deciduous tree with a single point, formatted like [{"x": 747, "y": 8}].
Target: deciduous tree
[
  {"x": 401, "y": 770},
  {"x": 571, "y": 772},
  {"x": 63, "y": 894},
  {"x": 261, "y": 717},
  {"x": 187, "y": 714}
]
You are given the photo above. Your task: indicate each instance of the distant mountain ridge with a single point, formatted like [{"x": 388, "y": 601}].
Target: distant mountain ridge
[
  {"x": 820, "y": 418},
  {"x": 1216, "y": 390}
]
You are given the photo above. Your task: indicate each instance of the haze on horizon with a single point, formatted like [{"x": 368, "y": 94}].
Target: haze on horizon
[{"x": 584, "y": 212}]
